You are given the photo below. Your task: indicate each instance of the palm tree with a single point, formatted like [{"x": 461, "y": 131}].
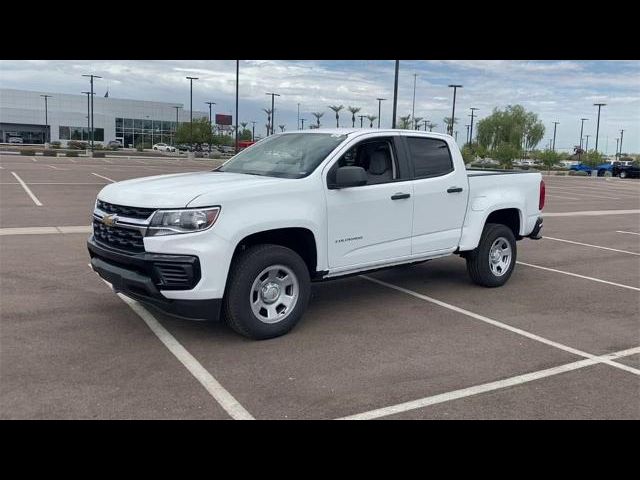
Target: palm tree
[
  {"x": 404, "y": 122},
  {"x": 416, "y": 121},
  {"x": 432, "y": 126},
  {"x": 318, "y": 115},
  {"x": 268, "y": 112},
  {"x": 448, "y": 123},
  {"x": 281, "y": 127},
  {"x": 268, "y": 126},
  {"x": 244, "y": 125},
  {"x": 371, "y": 118},
  {"x": 353, "y": 111},
  {"x": 337, "y": 108}
]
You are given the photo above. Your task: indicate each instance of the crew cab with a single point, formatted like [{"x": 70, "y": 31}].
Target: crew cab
[{"x": 244, "y": 242}]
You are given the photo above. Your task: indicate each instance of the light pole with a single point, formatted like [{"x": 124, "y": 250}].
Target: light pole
[
  {"x": 599, "y": 105},
  {"x": 273, "y": 111},
  {"x": 425, "y": 124},
  {"x": 473, "y": 111},
  {"x": 47, "y": 134},
  {"x": 617, "y": 141},
  {"x": 175, "y": 130},
  {"x": 302, "y": 121},
  {"x": 380, "y": 100},
  {"x": 191, "y": 79},
  {"x": 88, "y": 113},
  {"x": 91, "y": 80},
  {"x": 586, "y": 147},
  {"x": 453, "y": 111},
  {"x": 582, "y": 120},
  {"x": 467, "y": 132},
  {"x": 237, "y": 93},
  {"x": 395, "y": 97},
  {"x": 210, "y": 122},
  {"x": 298, "y": 124},
  {"x": 621, "y": 137},
  {"x": 413, "y": 105},
  {"x": 555, "y": 125},
  {"x": 253, "y": 131},
  {"x": 361, "y": 117}
]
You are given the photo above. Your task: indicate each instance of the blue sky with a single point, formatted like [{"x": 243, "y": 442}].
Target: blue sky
[{"x": 560, "y": 90}]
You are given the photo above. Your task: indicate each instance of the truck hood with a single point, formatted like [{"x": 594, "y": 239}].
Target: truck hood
[{"x": 179, "y": 190}]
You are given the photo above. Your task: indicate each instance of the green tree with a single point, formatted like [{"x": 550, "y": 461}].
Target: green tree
[
  {"x": 514, "y": 125},
  {"x": 405, "y": 124},
  {"x": 505, "y": 153},
  {"x": 337, "y": 108},
  {"x": 371, "y": 119},
  {"x": 353, "y": 111},
  {"x": 468, "y": 154},
  {"x": 201, "y": 132},
  {"x": 593, "y": 158},
  {"x": 416, "y": 121},
  {"x": 549, "y": 158}
]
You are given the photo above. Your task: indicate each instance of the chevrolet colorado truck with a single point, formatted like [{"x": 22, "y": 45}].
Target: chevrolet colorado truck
[{"x": 244, "y": 242}]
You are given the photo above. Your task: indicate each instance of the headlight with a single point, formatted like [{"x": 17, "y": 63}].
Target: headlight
[{"x": 172, "y": 222}]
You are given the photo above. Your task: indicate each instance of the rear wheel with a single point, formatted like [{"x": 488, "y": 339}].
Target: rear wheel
[
  {"x": 267, "y": 293},
  {"x": 493, "y": 261}
]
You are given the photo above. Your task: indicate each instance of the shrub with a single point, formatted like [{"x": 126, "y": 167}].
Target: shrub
[
  {"x": 578, "y": 173},
  {"x": 98, "y": 154},
  {"x": 215, "y": 155},
  {"x": 77, "y": 144},
  {"x": 55, "y": 144},
  {"x": 27, "y": 152},
  {"x": 49, "y": 153},
  {"x": 72, "y": 154},
  {"x": 98, "y": 146},
  {"x": 199, "y": 155}
]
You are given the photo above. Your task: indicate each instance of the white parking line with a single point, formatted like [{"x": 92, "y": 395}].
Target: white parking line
[
  {"x": 217, "y": 391},
  {"x": 630, "y": 233},
  {"x": 45, "y": 230},
  {"x": 579, "y": 276},
  {"x": 564, "y": 198},
  {"x": 589, "y": 213},
  {"x": 589, "y": 245},
  {"x": 106, "y": 178},
  {"x": 54, "y": 183},
  {"x": 498, "y": 324},
  {"x": 26, "y": 189},
  {"x": 486, "y": 387},
  {"x": 557, "y": 190},
  {"x": 54, "y": 167}
]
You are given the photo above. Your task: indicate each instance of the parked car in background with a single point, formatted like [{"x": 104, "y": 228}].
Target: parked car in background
[
  {"x": 625, "y": 171},
  {"x": 114, "y": 144},
  {"x": 163, "y": 147},
  {"x": 15, "y": 140},
  {"x": 182, "y": 147},
  {"x": 581, "y": 167}
]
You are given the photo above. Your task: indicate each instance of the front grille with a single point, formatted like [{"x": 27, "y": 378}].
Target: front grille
[
  {"x": 131, "y": 212},
  {"x": 118, "y": 237}
]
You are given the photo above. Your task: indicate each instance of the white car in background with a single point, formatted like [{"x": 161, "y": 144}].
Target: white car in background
[
  {"x": 15, "y": 140},
  {"x": 163, "y": 147}
]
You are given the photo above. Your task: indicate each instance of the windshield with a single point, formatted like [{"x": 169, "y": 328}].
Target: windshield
[{"x": 289, "y": 155}]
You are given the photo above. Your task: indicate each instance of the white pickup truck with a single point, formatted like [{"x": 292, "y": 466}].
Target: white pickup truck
[{"x": 245, "y": 241}]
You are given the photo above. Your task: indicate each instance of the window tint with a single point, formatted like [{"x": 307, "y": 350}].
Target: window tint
[
  {"x": 430, "y": 156},
  {"x": 376, "y": 157}
]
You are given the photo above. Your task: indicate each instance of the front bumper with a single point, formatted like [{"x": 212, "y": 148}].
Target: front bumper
[{"x": 137, "y": 276}]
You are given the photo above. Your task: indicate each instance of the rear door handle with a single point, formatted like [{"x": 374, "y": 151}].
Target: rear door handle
[
  {"x": 454, "y": 189},
  {"x": 400, "y": 196}
]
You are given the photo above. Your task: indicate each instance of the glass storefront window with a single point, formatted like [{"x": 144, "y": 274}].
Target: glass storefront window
[
  {"x": 119, "y": 122},
  {"x": 63, "y": 133},
  {"x": 137, "y": 123},
  {"x": 98, "y": 134},
  {"x": 128, "y": 123},
  {"x": 76, "y": 133},
  {"x": 146, "y": 124}
]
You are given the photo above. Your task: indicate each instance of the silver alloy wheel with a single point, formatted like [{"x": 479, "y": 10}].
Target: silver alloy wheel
[
  {"x": 500, "y": 256},
  {"x": 274, "y": 294}
]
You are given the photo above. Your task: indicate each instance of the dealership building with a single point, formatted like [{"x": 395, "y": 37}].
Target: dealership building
[{"x": 23, "y": 114}]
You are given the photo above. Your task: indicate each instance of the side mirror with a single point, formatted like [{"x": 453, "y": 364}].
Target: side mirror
[{"x": 350, "y": 177}]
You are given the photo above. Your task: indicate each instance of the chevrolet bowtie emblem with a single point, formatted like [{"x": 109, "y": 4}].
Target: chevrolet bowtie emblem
[{"x": 110, "y": 220}]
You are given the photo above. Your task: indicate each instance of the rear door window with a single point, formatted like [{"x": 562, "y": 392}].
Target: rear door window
[{"x": 430, "y": 157}]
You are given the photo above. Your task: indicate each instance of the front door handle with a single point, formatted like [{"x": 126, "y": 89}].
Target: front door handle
[
  {"x": 400, "y": 196},
  {"x": 454, "y": 189}
]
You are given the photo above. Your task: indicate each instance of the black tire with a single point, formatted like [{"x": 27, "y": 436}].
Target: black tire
[
  {"x": 623, "y": 174},
  {"x": 478, "y": 259},
  {"x": 244, "y": 270}
]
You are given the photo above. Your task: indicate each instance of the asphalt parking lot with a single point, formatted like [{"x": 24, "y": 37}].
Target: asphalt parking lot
[{"x": 561, "y": 340}]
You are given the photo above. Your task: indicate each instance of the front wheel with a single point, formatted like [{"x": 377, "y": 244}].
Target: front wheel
[
  {"x": 267, "y": 292},
  {"x": 493, "y": 261},
  {"x": 623, "y": 174}
]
